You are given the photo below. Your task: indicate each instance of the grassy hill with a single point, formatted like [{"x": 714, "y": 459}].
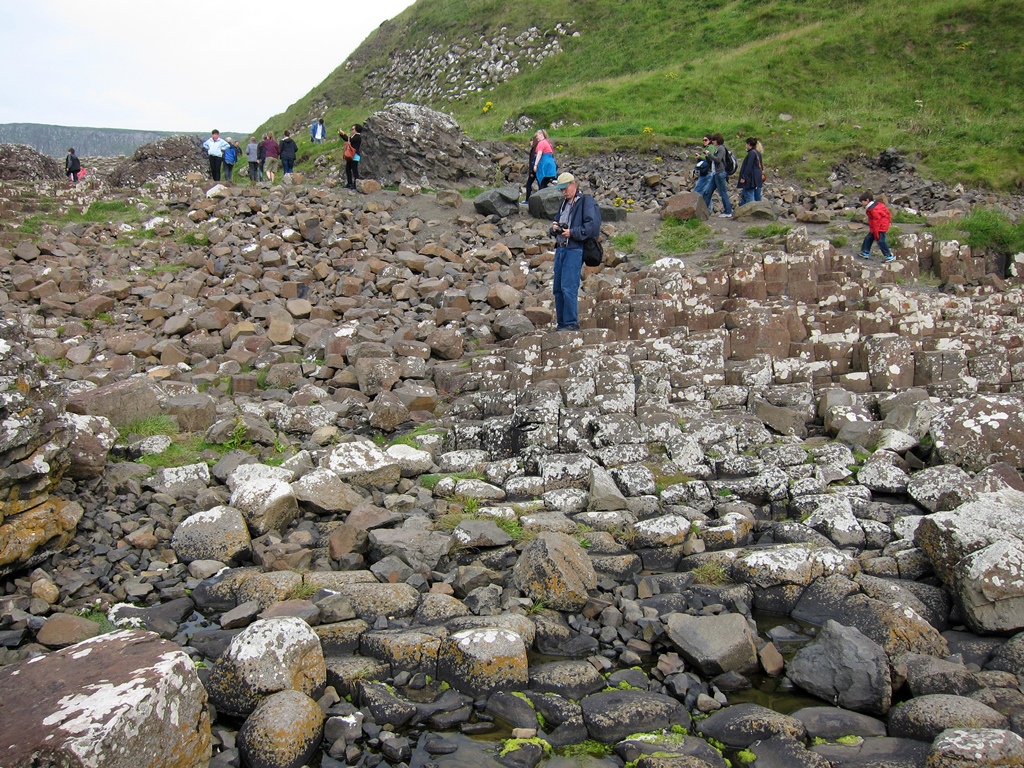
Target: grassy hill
[{"x": 940, "y": 80}]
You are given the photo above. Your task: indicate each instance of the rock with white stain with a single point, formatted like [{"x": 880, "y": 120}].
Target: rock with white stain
[
  {"x": 247, "y": 472},
  {"x": 266, "y": 657},
  {"x": 185, "y": 481},
  {"x": 946, "y": 538},
  {"x": 890, "y": 361},
  {"x": 479, "y": 661},
  {"x": 981, "y": 431},
  {"x": 123, "y": 699},
  {"x": 989, "y": 587},
  {"x": 265, "y": 503},
  {"x": 975, "y": 748},
  {"x": 664, "y": 531},
  {"x": 364, "y": 464},
  {"x": 325, "y": 493},
  {"x": 218, "y": 534},
  {"x": 797, "y": 564},
  {"x": 411, "y": 461}
]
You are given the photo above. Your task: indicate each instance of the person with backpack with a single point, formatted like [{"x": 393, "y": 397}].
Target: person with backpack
[
  {"x": 72, "y": 166},
  {"x": 751, "y": 173},
  {"x": 719, "y": 157},
  {"x": 578, "y": 219},
  {"x": 879, "y": 219},
  {"x": 230, "y": 157}
]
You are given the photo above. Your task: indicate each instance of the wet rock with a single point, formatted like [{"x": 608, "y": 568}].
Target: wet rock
[{"x": 283, "y": 731}]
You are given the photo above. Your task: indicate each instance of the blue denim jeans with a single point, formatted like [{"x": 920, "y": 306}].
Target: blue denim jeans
[
  {"x": 704, "y": 185},
  {"x": 568, "y": 266},
  {"x": 287, "y": 165},
  {"x": 870, "y": 240},
  {"x": 750, "y": 196},
  {"x": 723, "y": 192}
]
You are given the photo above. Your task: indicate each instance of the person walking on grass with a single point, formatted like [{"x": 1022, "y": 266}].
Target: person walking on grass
[
  {"x": 717, "y": 156},
  {"x": 879, "y": 219}
]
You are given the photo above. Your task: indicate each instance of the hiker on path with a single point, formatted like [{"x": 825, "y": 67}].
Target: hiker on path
[
  {"x": 252, "y": 155},
  {"x": 72, "y": 165},
  {"x": 879, "y": 219},
  {"x": 353, "y": 145},
  {"x": 544, "y": 167},
  {"x": 272, "y": 151},
  {"x": 705, "y": 179},
  {"x": 578, "y": 218},
  {"x": 751, "y": 173},
  {"x": 717, "y": 155},
  {"x": 289, "y": 151},
  {"x": 215, "y": 147},
  {"x": 230, "y": 158}
]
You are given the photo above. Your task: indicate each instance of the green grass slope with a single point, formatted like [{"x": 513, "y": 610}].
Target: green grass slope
[{"x": 940, "y": 80}]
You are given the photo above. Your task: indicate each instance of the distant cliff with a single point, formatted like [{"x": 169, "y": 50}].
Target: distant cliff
[{"x": 54, "y": 140}]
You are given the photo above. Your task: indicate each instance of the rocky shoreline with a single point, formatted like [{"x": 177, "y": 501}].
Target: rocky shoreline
[{"x": 781, "y": 473}]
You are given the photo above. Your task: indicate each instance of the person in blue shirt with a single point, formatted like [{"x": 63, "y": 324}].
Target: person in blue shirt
[{"x": 230, "y": 158}]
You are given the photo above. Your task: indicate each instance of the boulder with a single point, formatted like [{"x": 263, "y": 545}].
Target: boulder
[
  {"x": 219, "y": 533},
  {"x": 714, "y": 644},
  {"x": 266, "y": 657},
  {"x": 126, "y": 698},
  {"x": 611, "y": 716},
  {"x": 555, "y": 569},
  {"x": 480, "y": 661},
  {"x": 925, "y": 717},
  {"x": 844, "y": 667},
  {"x": 283, "y": 731},
  {"x": 981, "y": 431}
]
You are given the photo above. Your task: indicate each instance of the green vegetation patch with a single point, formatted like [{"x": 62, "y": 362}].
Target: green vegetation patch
[{"x": 677, "y": 236}]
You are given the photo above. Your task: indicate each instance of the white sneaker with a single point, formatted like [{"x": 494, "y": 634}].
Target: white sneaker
[{"x": 725, "y": 215}]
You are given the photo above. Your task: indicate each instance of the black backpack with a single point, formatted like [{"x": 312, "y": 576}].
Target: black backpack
[{"x": 731, "y": 166}]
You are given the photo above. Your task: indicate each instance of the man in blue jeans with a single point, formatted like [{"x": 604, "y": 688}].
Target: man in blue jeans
[
  {"x": 716, "y": 155},
  {"x": 578, "y": 218}
]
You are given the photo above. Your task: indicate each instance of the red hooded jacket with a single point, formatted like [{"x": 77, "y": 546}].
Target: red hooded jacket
[{"x": 878, "y": 218}]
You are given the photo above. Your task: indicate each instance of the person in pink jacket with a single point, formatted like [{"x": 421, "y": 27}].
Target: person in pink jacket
[{"x": 878, "y": 224}]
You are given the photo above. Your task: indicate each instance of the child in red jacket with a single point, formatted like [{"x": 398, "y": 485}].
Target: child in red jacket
[{"x": 878, "y": 224}]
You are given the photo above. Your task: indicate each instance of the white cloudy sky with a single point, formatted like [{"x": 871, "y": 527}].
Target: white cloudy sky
[{"x": 172, "y": 65}]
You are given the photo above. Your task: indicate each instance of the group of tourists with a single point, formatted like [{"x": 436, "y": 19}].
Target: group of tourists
[
  {"x": 717, "y": 163},
  {"x": 266, "y": 156}
]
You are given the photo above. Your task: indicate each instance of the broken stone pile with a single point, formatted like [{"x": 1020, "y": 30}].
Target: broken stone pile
[
  {"x": 786, "y": 475},
  {"x": 20, "y": 162}
]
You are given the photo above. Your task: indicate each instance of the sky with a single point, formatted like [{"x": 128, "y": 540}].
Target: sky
[{"x": 173, "y": 65}]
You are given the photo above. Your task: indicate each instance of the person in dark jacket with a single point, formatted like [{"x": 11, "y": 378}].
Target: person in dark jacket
[
  {"x": 578, "y": 218},
  {"x": 289, "y": 150},
  {"x": 751, "y": 174},
  {"x": 716, "y": 155},
  {"x": 355, "y": 141},
  {"x": 72, "y": 166}
]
